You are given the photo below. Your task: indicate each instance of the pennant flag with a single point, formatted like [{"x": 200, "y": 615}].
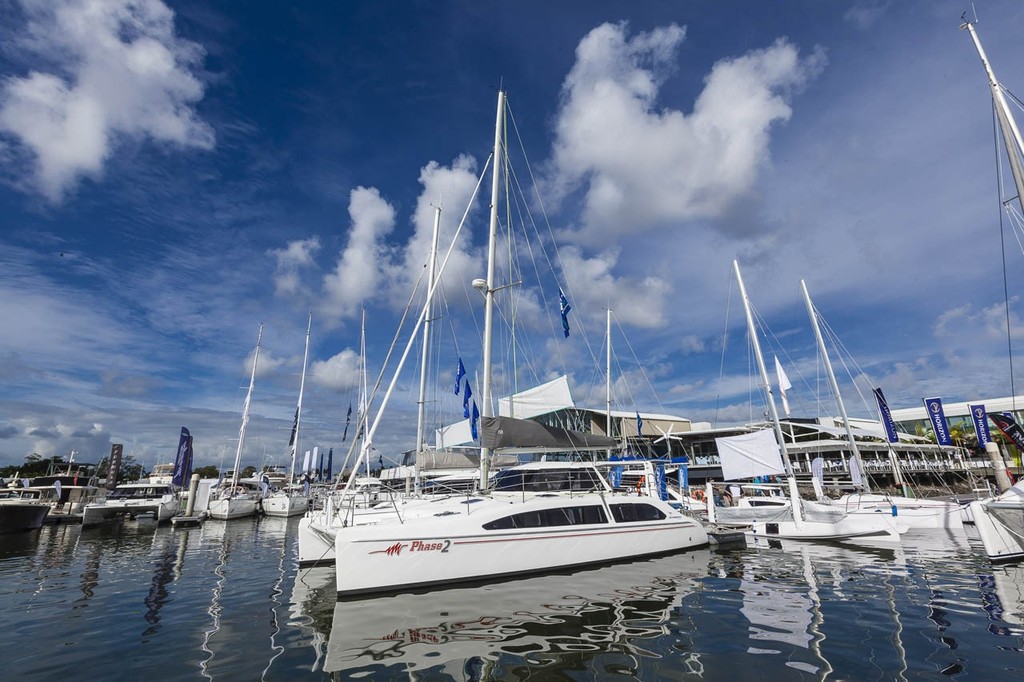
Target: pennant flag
[
  {"x": 639, "y": 424},
  {"x": 784, "y": 384},
  {"x": 459, "y": 373},
  {"x": 933, "y": 406},
  {"x": 180, "y": 460},
  {"x": 980, "y": 418},
  {"x": 330, "y": 461},
  {"x": 295, "y": 428},
  {"x": 1010, "y": 428},
  {"x": 887, "y": 422},
  {"x": 465, "y": 400},
  {"x": 473, "y": 420},
  {"x": 348, "y": 420},
  {"x": 565, "y": 308}
]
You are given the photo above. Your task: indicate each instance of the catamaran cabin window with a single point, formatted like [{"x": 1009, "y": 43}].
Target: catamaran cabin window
[
  {"x": 636, "y": 512},
  {"x": 561, "y": 516}
]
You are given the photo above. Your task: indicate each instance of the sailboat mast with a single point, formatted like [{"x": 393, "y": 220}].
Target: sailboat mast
[
  {"x": 245, "y": 411},
  {"x": 835, "y": 384},
  {"x": 1007, "y": 123},
  {"x": 608, "y": 377},
  {"x": 492, "y": 245},
  {"x": 298, "y": 408},
  {"x": 422, "y": 404},
  {"x": 769, "y": 397}
]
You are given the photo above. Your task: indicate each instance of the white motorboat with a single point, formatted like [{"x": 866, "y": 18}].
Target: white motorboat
[
  {"x": 22, "y": 510},
  {"x": 132, "y": 500}
]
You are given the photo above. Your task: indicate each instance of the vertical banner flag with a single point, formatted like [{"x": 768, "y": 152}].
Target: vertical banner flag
[
  {"x": 305, "y": 464},
  {"x": 980, "y": 418},
  {"x": 312, "y": 462},
  {"x": 564, "y": 309},
  {"x": 639, "y": 424},
  {"x": 459, "y": 373},
  {"x": 114, "y": 466},
  {"x": 1010, "y": 428},
  {"x": 856, "y": 476},
  {"x": 784, "y": 384},
  {"x": 933, "y": 406},
  {"x": 180, "y": 459},
  {"x": 660, "y": 484},
  {"x": 348, "y": 420},
  {"x": 330, "y": 461},
  {"x": 473, "y": 420},
  {"x": 295, "y": 430},
  {"x": 465, "y": 400},
  {"x": 887, "y": 422},
  {"x": 320, "y": 468}
]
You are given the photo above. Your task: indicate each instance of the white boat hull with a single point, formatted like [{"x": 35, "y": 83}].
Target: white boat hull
[
  {"x": 282, "y": 504},
  {"x": 1000, "y": 527},
  {"x": 847, "y": 527},
  {"x": 96, "y": 513},
  {"x": 231, "y": 508},
  {"x": 430, "y": 551},
  {"x": 912, "y": 512}
]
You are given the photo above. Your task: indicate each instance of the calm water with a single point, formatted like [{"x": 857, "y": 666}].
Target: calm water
[{"x": 226, "y": 601}]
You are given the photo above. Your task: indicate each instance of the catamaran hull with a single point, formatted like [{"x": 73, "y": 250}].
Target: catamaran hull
[
  {"x": 1000, "y": 527},
  {"x": 847, "y": 527},
  {"x": 922, "y": 514},
  {"x": 400, "y": 559},
  {"x": 99, "y": 512},
  {"x": 285, "y": 505}
]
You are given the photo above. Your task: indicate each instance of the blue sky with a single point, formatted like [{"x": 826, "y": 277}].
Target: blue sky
[{"x": 174, "y": 174}]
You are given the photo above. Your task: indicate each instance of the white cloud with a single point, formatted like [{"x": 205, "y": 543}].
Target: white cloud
[
  {"x": 290, "y": 262},
  {"x": 117, "y": 70},
  {"x": 640, "y": 166},
  {"x": 339, "y": 372},
  {"x": 359, "y": 271},
  {"x": 594, "y": 288}
]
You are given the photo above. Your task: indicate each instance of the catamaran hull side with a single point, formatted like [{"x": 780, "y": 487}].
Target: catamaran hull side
[
  {"x": 1002, "y": 536},
  {"x": 97, "y": 513},
  {"x": 403, "y": 561},
  {"x": 816, "y": 530}
]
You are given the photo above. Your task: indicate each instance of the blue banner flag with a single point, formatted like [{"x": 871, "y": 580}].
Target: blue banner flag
[
  {"x": 1010, "y": 428},
  {"x": 564, "y": 308},
  {"x": 473, "y": 420},
  {"x": 459, "y": 373},
  {"x": 660, "y": 483},
  {"x": 330, "y": 461},
  {"x": 348, "y": 420},
  {"x": 181, "y": 459},
  {"x": 933, "y": 406},
  {"x": 887, "y": 422},
  {"x": 465, "y": 400},
  {"x": 639, "y": 424},
  {"x": 980, "y": 417},
  {"x": 320, "y": 468},
  {"x": 295, "y": 429}
]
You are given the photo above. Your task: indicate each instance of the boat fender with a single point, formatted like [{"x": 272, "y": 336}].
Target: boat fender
[{"x": 895, "y": 510}]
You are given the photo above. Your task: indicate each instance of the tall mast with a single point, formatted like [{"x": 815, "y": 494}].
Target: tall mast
[
  {"x": 1007, "y": 124},
  {"x": 835, "y": 385},
  {"x": 492, "y": 245},
  {"x": 608, "y": 377},
  {"x": 245, "y": 411},
  {"x": 769, "y": 397},
  {"x": 364, "y": 416},
  {"x": 298, "y": 408},
  {"x": 421, "y": 406}
]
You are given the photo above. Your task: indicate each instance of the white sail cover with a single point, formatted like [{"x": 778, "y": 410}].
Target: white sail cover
[
  {"x": 459, "y": 433},
  {"x": 749, "y": 455},
  {"x": 543, "y": 399}
]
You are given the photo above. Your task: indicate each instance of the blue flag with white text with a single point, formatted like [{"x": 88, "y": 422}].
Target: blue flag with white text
[
  {"x": 639, "y": 424},
  {"x": 564, "y": 308},
  {"x": 473, "y": 420},
  {"x": 465, "y": 400},
  {"x": 887, "y": 422},
  {"x": 933, "y": 406},
  {"x": 182, "y": 465},
  {"x": 459, "y": 373},
  {"x": 980, "y": 418}
]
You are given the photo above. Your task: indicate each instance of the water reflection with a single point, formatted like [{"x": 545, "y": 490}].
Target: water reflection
[{"x": 560, "y": 621}]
